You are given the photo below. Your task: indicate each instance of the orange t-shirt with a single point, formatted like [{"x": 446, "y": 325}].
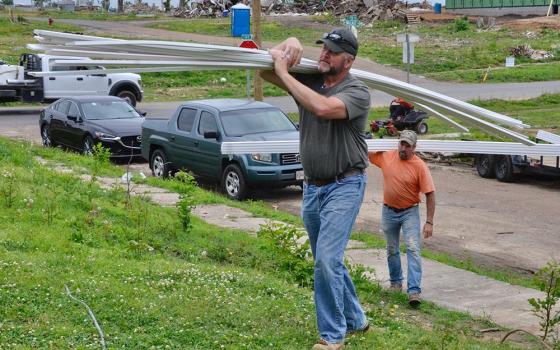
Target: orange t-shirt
[{"x": 403, "y": 180}]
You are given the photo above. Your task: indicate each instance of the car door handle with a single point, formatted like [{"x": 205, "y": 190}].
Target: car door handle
[
  {"x": 196, "y": 143},
  {"x": 80, "y": 79},
  {"x": 52, "y": 78},
  {"x": 172, "y": 138}
]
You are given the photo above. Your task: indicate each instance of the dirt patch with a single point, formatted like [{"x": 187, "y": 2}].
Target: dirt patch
[{"x": 535, "y": 23}]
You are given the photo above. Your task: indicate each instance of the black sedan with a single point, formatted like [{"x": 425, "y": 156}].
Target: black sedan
[{"x": 81, "y": 122}]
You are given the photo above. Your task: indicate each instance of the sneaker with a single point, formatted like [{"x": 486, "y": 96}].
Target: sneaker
[
  {"x": 324, "y": 345},
  {"x": 414, "y": 299},
  {"x": 395, "y": 287},
  {"x": 364, "y": 329}
]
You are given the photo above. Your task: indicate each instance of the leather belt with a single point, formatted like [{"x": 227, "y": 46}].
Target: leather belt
[
  {"x": 323, "y": 182},
  {"x": 399, "y": 210}
]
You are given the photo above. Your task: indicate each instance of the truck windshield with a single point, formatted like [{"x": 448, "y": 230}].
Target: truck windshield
[
  {"x": 109, "y": 110},
  {"x": 255, "y": 121}
]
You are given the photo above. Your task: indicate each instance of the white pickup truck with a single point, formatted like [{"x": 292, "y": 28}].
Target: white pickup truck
[{"x": 17, "y": 84}]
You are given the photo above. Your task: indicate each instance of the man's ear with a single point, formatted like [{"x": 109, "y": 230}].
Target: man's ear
[{"x": 349, "y": 61}]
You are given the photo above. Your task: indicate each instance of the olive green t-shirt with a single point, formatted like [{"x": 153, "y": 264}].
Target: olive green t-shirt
[{"x": 329, "y": 147}]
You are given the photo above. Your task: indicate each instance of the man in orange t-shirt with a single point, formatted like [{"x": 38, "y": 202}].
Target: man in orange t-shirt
[{"x": 405, "y": 178}]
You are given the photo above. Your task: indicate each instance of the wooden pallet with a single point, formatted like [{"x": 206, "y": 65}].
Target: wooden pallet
[{"x": 413, "y": 18}]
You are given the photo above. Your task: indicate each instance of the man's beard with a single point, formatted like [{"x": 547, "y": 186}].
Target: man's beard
[
  {"x": 403, "y": 155},
  {"x": 329, "y": 70}
]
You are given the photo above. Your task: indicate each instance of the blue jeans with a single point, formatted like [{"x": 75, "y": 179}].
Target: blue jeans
[
  {"x": 409, "y": 221},
  {"x": 329, "y": 213}
]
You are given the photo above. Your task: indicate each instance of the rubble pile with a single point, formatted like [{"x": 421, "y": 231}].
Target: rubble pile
[
  {"x": 366, "y": 10},
  {"x": 141, "y": 7},
  {"x": 526, "y": 51},
  {"x": 203, "y": 8}
]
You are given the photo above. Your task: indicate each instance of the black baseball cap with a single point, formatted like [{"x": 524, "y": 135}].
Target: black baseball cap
[{"x": 339, "y": 40}]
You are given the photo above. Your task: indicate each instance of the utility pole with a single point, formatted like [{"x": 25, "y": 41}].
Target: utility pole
[{"x": 257, "y": 37}]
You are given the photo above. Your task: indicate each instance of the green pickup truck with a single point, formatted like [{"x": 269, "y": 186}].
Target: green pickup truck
[{"x": 192, "y": 139}]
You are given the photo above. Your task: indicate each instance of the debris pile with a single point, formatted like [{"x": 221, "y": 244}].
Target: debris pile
[
  {"x": 366, "y": 10},
  {"x": 526, "y": 51},
  {"x": 203, "y": 8},
  {"x": 141, "y": 7}
]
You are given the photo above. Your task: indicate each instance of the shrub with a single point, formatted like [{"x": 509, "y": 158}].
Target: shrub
[
  {"x": 460, "y": 25},
  {"x": 185, "y": 205},
  {"x": 548, "y": 279},
  {"x": 290, "y": 254}
]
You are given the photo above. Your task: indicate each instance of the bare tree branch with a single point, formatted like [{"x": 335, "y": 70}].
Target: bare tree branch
[{"x": 91, "y": 315}]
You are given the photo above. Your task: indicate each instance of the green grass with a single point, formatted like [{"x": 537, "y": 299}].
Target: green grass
[
  {"x": 442, "y": 53},
  {"x": 520, "y": 73},
  {"x": 159, "y": 87},
  {"x": 175, "y": 86},
  {"x": 540, "y": 113},
  {"x": 14, "y": 36},
  {"x": 153, "y": 285}
]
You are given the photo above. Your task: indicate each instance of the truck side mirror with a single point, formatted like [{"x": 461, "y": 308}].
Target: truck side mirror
[{"x": 211, "y": 135}]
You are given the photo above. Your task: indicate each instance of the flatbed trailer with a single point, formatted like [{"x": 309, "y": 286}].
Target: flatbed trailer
[{"x": 505, "y": 167}]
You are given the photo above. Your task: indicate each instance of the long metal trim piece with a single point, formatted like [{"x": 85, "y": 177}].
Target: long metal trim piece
[
  {"x": 469, "y": 147},
  {"x": 443, "y": 117},
  {"x": 548, "y": 136},
  {"x": 201, "y": 56}
]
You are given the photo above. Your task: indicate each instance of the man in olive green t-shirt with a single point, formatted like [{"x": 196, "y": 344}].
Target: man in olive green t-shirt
[{"x": 333, "y": 108}]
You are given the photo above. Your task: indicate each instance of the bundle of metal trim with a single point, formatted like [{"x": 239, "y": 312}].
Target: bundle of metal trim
[
  {"x": 430, "y": 146},
  {"x": 154, "y": 56}
]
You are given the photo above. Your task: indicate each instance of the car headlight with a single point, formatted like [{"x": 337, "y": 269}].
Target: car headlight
[
  {"x": 262, "y": 157},
  {"x": 105, "y": 136}
]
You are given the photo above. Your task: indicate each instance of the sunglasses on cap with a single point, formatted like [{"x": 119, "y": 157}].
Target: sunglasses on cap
[{"x": 334, "y": 37}]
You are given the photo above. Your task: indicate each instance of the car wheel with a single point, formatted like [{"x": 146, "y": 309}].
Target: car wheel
[
  {"x": 46, "y": 137},
  {"x": 159, "y": 164},
  {"x": 128, "y": 96},
  {"x": 485, "y": 165},
  {"x": 233, "y": 182},
  {"x": 87, "y": 146},
  {"x": 421, "y": 128},
  {"x": 503, "y": 168}
]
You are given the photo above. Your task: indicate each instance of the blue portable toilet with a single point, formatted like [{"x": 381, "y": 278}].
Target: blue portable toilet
[
  {"x": 437, "y": 8},
  {"x": 240, "y": 20}
]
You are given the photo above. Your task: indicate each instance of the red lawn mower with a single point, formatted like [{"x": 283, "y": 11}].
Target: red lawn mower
[{"x": 402, "y": 115}]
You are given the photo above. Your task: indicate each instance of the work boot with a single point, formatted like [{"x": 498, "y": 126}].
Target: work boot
[
  {"x": 322, "y": 344},
  {"x": 364, "y": 329},
  {"x": 414, "y": 299},
  {"x": 395, "y": 287}
]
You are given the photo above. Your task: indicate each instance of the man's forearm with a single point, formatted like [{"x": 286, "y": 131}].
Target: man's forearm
[{"x": 430, "y": 206}]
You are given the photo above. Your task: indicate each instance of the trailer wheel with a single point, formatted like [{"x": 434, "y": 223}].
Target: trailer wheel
[
  {"x": 485, "y": 165},
  {"x": 503, "y": 168},
  {"x": 128, "y": 96}
]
